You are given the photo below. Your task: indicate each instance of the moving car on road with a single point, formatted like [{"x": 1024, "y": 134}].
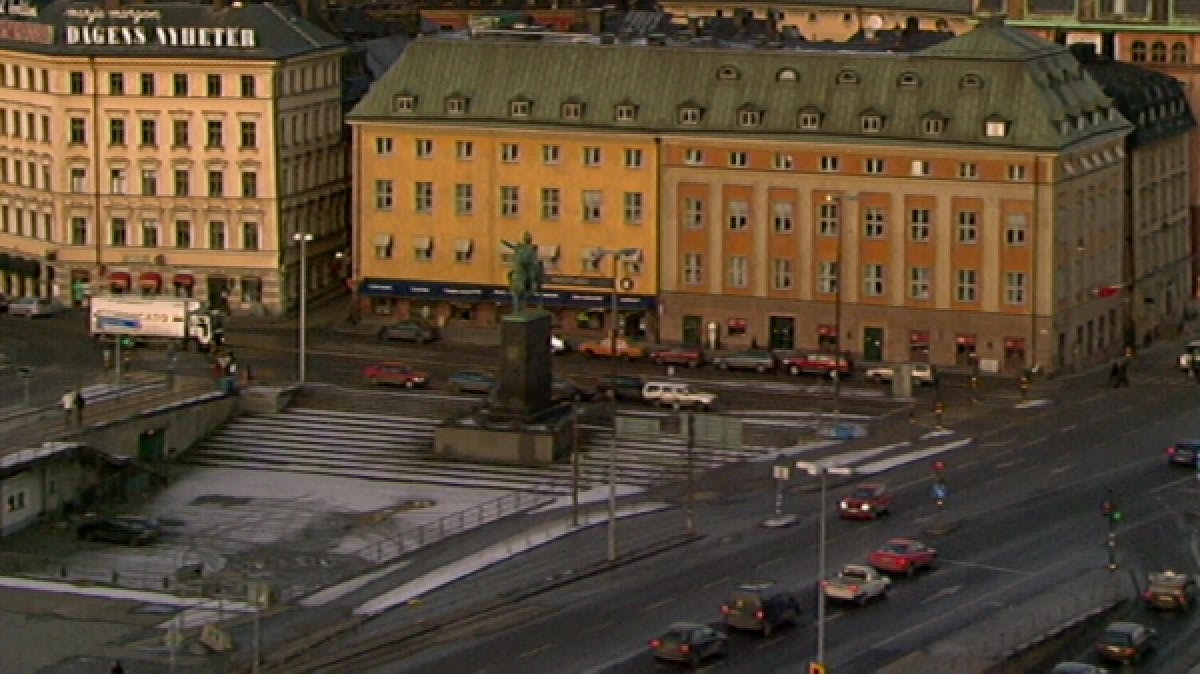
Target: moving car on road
[
  {"x": 868, "y": 501},
  {"x": 922, "y": 374},
  {"x": 128, "y": 529},
  {"x": 1170, "y": 590},
  {"x": 677, "y": 394},
  {"x": 626, "y": 387},
  {"x": 903, "y": 555},
  {"x": 689, "y": 643},
  {"x": 471, "y": 381},
  {"x": 754, "y": 359},
  {"x": 687, "y": 356},
  {"x": 1077, "y": 668},
  {"x": 760, "y": 607},
  {"x": 820, "y": 364},
  {"x": 1126, "y": 642},
  {"x": 409, "y": 331},
  {"x": 397, "y": 374},
  {"x": 34, "y": 307},
  {"x": 1183, "y": 452},
  {"x": 602, "y": 348},
  {"x": 856, "y": 583},
  {"x": 567, "y": 390}
]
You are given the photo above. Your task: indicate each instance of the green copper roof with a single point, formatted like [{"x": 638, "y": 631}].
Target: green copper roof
[{"x": 996, "y": 73}]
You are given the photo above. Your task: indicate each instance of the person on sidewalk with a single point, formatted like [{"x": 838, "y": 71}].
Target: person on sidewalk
[
  {"x": 80, "y": 403},
  {"x": 68, "y": 405}
]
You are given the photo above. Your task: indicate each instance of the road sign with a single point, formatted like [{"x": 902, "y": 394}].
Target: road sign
[
  {"x": 939, "y": 491},
  {"x": 637, "y": 427},
  {"x": 118, "y": 324},
  {"x": 579, "y": 281},
  {"x": 714, "y": 430}
]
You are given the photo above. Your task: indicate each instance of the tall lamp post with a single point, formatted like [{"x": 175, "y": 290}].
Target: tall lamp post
[
  {"x": 838, "y": 201},
  {"x": 303, "y": 238},
  {"x": 617, "y": 254},
  {"x": 822, "y": 471}
]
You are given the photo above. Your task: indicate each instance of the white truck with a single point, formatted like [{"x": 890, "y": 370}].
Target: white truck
[
  {"x": 187, "y": 323},
  {"x": 858, "y": 584}
]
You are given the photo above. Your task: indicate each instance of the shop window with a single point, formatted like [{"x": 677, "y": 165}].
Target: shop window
[
  {"x": 918, "y": 346},
  {"x": 589, "y": 320},
  {"x": 462, "y": 312},
  {"x": 251, "y": 289},
  {"x": 736, "y": 327},
  {"x": 383, "y": 306}
]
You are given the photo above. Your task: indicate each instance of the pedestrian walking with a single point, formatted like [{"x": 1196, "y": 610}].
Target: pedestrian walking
[
  {"x": 1114, "y": 375},
  {"x": 68, "y": 405},
  {"x": 80, "y": 403}
]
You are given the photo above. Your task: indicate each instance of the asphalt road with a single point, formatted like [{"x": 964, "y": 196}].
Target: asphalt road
[{"x": 1027, "y": 497}]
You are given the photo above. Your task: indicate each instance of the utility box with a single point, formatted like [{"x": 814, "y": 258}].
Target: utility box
[{"x": 902, "y": 381}]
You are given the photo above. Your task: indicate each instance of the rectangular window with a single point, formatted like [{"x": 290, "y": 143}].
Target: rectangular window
[
  {"x": 464, "y": 199},
  {"x": 423, "y": 148},
  {"x": 183, "y": 233},
  {"x": 874, "y": 166},
  {"x": 783, "y": 222},
  {"x": 510, "y": 201},
  {"x": 463, "y": 250},
  {"x": 383, "y": 247},
  {"x": 183, "y": 182},
  {"x": 1015, "y": 229},
  {"x": 918, "y": 283},
  {"x": 693, "y": 157},
  {"x": 149, "y": 182},
  {"x": 967, "y": 288},
  {"x": 738, "y": 159},
  {"x": 593, "y": 205},
  {"x": 249, "y": 135},
  {"x": 968, "y": 227},
  {"x": 827, "y": 219},
  {"x": 874, "y": 219},
  {"x": 920, "y": 223},
  {"x": 179, "y": 133},
  {"x": 1015, "y": 287},
  {"x": 76, "y": 82},
  {"x": 212, "y": 86},
  {"x": 693, "y": 212},
  {"x": 149, "y": 133},
  {"x": 249, "y": 184},
  {"x": 116, "y": 132},
  {"x": 464, "y": 149},
  {"x": 384, "y": 146},
  {"x": 827, "y": 278},
  {"x": 116, "y": 84},
  {"x": 250, "y": 236},
  {"x": 634, "y": 204},
  {"x": 739, "y": 215},
  {"x": 968, "y": 170},
  {"x": 739, "y": 268},
  {"x": 510, "y": 152},
  {"x": 146, "y": 84},
  {"x": 633, "y": 157},
  {"x": 423, "y": 249},
  {"x": 591, "y": 156},
  {"x": 149, "y": 234},
  {"x": 179, "y": 84},
  {"x": 829, "y": 164},
  {"x": 215, "y": 137},
  {"x": 78, "y": 180},
  {"x": 78, "y": 131},
  {"x": 79, "y": 230},
  {"x": 216, "y": 235},
  {"x": 216, "y": 183},
  {"x": 693, "y": 271},
  {"x": 920, "y": 167},
  {"x": 551, "y": 154},
  {"x": 1016, "y": 172},
  {"x": 781, "y": 273},
  {"x": 873, "y": 280},
  {"x": 248, "y": 86},
  {"x": 384, "y": 195},
  {"x": 119, "y": 232},
  {"x": 118, "y": 182},
  {"x": 16, "y": 501},
  {"x": 782, "y": 162},
  {"x": 423, "y": 197},
  {"x": 45, "y": 124}
]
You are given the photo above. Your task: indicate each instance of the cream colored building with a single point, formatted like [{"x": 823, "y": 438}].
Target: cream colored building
[{"x": 171, "y": 149}]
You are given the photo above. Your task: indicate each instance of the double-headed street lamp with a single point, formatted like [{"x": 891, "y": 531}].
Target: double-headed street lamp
[
  {"x": 303, "y": 238},
  {"x": 618, "y": 255},
  {"x": 822, "y": 471}
]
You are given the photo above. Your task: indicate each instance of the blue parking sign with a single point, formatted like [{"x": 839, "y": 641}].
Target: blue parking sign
[{"x": 939, "y": 491}]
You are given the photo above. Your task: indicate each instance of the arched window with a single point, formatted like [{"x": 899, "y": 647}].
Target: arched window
[
  {"x": 1137, "y": 52},
  {"x": 1179, "y": 53},
  {"x": 1158, "y": 53}
]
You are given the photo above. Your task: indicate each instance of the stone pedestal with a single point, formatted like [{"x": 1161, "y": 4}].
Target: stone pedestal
[{"x": 521, "y": 424}]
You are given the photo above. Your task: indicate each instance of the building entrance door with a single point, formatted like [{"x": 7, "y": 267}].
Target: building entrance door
[
  {"x": 692, "y": 329},
  {"x": 783, "y": 333},
  {"x": 872, "y": 344}
]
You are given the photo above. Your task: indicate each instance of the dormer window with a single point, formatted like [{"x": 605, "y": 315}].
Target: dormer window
[
  {"x": 995, "y": 128},
  {"x": 626, "y": 113},
  {"x": 1080, "y": 122},
  {"x": 933, "y": 126},
  {"x": 1097, "y": 117},
  {"x": 404, "y": 103},
  {"x": 689, "y": 116},
  {"x": 970, "y": 81},
  {"x": 786, "y": 75},
  {"x": 809, "y": 120},
  {"x": 456, "y": 105},
  {"x": 572, "y": 111},
  {"x": 847, "y": 77},
  {"x": 909, "y": 80},
  {"x": 728, "y": 73},
  {"x": 871, "y": 123},
  {"x": 1064, "y": 127},
  {"x": 519, "y": 108},
  {"x": 749, "y": 117}
]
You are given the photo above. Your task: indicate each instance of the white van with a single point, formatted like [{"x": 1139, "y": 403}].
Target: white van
[{"x": 676, "y": 394}]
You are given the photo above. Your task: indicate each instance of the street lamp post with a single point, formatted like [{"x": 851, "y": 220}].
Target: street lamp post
[
  {"x": 822, "y": 471},
  {"x": 838, "y": 200},
  {"x": 303, "y": 238},
  {"x": 617, "y": 254}
]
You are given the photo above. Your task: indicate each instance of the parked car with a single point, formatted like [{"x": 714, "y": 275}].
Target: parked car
[
  {"x": 690, "y": 643},
  {"x": 558, "y": 345},
  {"x": 677, "y": 394},
  {"x": 397, "y": 374},
  {"x": 868, "y": 501},
  {"x": 409, "y": 331},
  {"x": 471, "y": 381},
  {"x": 820, "y": 364},
  {"x": 1170, "y": 590},
  {"x": 760, "y": 607},
  {"x": 856, "y": 583},
  {"x": 1184, "y": 452},
  {"x": 753, "y": 359},
  {"x": 903, "y": 555},
  {"x": 128, "y": 529},
  {"x": 626, "y": 387},
  {"x": 35, "y": 307},
  {"x": 602, "y": 348},
  {"x": 1191, "y": 351},
  {"x": 922, "y": 374},
  {"x": 566, "y": 390},
  {"x": 688, "y": 356},
  {"x": 1077, "y": 668},
  {"x": 1125, "y": 642}
]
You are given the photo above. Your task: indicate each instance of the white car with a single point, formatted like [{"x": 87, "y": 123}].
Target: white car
[
  {"x": 922, "y": 373},
  {"x": 858, "y": 584},
  {"x": 558, "y": 344},
  {"x": 1190, "y": 352},
  {"x": 34, "y": 307},
  {"x": 676, "y": 394}
]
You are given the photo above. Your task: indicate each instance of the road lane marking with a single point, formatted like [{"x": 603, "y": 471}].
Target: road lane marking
[
  {"x": 986, "y": 567},
  {"x": 944, "y": 592},
  {"x": 533, "y": 651},
  {"x": 770, "y": 562},
  {"x": 1060, "y": 469},
  {"x": 1006, "y": 464},
  {"x": 657, "y": 604},
  {"x": 720, "y": 581},
  {"x": 1068, "y": 429},
  {"x": 596, "y": 628},
  {"x": 767, "y": 644},
  {"x": 1172, "y": 484}
]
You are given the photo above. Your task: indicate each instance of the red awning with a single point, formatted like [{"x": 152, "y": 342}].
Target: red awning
[
  {"x": 826, "y": 331},
  {"x": 919, "y": 337},
  {"x": 1014, "y": 343},
  {"x": 150, "y": 279},
  {"x": 184, "y": 280},
  {"x": 119, "y": 279},
  {"x": 1107, "y": 291},
  {"x": 966, "y": 340}
]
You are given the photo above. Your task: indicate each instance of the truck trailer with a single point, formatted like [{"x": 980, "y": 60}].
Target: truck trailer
[{"x": 183, "y": 322}]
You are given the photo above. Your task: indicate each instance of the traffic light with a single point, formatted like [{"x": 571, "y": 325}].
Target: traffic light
[
  {"x": 939, "y": 467},
  {"x": 1111, "y": 512},
  {"x": 127, "y": 342}
]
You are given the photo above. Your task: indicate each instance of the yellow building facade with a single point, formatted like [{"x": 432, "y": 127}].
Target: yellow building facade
[{"x": 169, "y": 150}]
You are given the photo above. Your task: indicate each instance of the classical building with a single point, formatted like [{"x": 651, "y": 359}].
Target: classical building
[
  {"x": 169, "y": 148},
  {"x": 952, "y": 185}
]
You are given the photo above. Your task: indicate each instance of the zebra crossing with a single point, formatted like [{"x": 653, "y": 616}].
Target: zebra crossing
[{"x": 398, "y": 449}]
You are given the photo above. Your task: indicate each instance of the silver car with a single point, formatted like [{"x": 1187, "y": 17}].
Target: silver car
[{"x": 34, "y": 307}]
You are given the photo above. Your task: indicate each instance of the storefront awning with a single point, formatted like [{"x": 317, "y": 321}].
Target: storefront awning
[
  {"x": 150, "y": 279},
  {"x": 548, "y": 252},
  {"x": 118, "y": 279},
  {"x": 186, "y": 280},
  {"x": 383, "y": 239},
  {"x": 422, "y": 243},
  {"x": 462, "y": 292}
]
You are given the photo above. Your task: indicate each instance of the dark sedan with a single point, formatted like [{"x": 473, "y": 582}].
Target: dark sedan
[
  {"x": 471, "y": 381},
  {"x": 688, "y": 356},
  {"x": 690, "y": 643},
  {"x": 1183, "y": 452},
  {"x": 121, "y": 529}
]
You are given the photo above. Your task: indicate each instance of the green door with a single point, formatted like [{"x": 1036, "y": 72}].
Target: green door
[
  {"x": 691, "y": 330},
  {"x": 152, "y": 446},
  {"x": 872, "y": 344},
  {"x": 783, "y": 333}
]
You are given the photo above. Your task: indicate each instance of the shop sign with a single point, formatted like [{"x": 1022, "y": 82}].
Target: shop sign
[{"x": 124, "y": 27}]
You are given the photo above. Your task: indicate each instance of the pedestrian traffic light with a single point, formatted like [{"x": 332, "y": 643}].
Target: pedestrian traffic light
[
  {"x": 1111, "y": 511},
  {"x": 939, "y": 466},
  {"x": 126, "y": 342}
]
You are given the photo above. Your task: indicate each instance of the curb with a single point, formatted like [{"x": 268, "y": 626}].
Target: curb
[{"x": 1057, "y": 630}]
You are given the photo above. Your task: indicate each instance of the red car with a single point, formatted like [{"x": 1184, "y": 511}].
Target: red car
[
  {"x": 398, "y": 374},
  {"x": 690, "y": 356},
  {"x": 903, "y": 555},
  {"x": 821, "y": 364},
  {"x": 868, "y": 501}
]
